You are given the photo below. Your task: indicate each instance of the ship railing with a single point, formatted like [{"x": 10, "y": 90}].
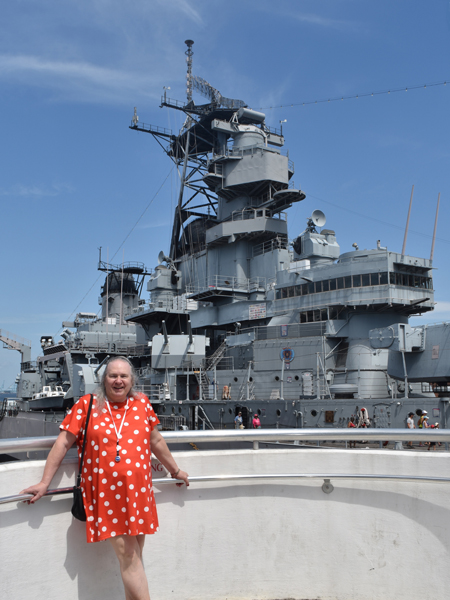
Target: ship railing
[
  {"x": 269, "y": 246},
  {"x": 155, "y": 128},
  {"x": 230, "y": 283},
  {"x": 30, "y": 365},
  {"x": 155, "y": 392},
  {"x": 293, "y": 437},
  {"x": 276, "y": 332}
]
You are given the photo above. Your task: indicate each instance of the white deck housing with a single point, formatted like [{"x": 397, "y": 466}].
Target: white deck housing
[{"x": 367, "y": 540}]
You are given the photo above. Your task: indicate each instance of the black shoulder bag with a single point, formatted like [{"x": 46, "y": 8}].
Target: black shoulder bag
[{"x": 78, "y": 506}]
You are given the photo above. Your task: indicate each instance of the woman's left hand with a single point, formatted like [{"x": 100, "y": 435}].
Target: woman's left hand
[{"x": 184, "y": 477}]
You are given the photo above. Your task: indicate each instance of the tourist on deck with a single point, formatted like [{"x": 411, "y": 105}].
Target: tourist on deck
[
  {"x": 238, "y": 422},
  {"x": 256, "y": 422},
  {"x": 410, "y": 424},
  {"x": 433, "y": 444},
  {"x": 116, "y": 481}
]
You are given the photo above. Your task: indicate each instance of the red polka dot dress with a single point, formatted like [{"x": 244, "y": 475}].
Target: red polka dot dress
[{"x": 118, "y": 496}]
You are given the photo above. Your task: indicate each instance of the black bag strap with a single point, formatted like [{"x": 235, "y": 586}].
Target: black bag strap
[{"x": 84, "y": 442}]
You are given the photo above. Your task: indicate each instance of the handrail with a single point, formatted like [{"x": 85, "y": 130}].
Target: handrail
[
  {"x": 272, "y": 476},
  {"x": 15, "y": 445}
]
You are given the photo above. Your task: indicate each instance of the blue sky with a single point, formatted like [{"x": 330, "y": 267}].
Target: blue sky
[{"x": 74, "y": 177}]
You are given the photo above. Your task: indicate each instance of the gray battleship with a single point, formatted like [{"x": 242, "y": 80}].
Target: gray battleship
[{"x": 241, "y": 318}]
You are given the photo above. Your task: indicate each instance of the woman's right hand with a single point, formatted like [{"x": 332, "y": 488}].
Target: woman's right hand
[{"x": 37, "y": 490}]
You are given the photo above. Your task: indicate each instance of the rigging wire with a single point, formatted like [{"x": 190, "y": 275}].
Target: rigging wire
[
  {"x": 122, "y": 244},
  {"x": 356, "y": 96},
  {"x": 386, "y": 223}
]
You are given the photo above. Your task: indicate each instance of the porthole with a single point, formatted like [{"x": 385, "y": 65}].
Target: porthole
[
  {"x": 180, "y": 409},
  {"x": 278, "y": 412},
  {"x": 164, "y": 409},
  {"x": 230, "y": 410},
  {"x": 277, "y": 378},
  {"x": 314, "y": 413},
  {"x": 235, "y": 379},
  {"x": 250, "y": 379},
  {"x": 296, "y": 378}
]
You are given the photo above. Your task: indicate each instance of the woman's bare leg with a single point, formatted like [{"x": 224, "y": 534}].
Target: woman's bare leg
[{"x": 128, "y": 549}]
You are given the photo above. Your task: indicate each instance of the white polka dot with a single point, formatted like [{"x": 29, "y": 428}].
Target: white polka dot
[
  {"x": 95, "y": 414},
  {"x": 117, "y": 496},
  {"x": 106, "y": 418},
  {"x": 102, "y": 424},
  {"x": 100, "y": 471},
  {"x": 138, "y": 465},
  {"x": 115, "y": 474},
  {"x": 90, "y": 478},
  {"x": 126, "y": 424},
  {"x": 91, "y": 507},
  {"x": 79, "y": 411},
  {"x": 104, "y": 480},
  {"x": 124, "y": 509},
  {"x": 103, "y": 528},
  {"x": 137, "y": 417},
  {"x": 126, "y": 523},
  {"x": 108, "y": 431},
  {"x": 132, "y": 519},
  {"x": 134, "y": 505},
  {"x": 118, "y": 417},
  {"x": 106, "y": 503},
  {"x": 128, "y": 461},
  {"x": 138, "y": 448},
  {"x": 113, "y": 533},
  {"x": 131, "y": 486},
  {"x": 129, "y": 473},
  {"x": 95, "y": 470},
  {"x": 145, "y": 466},
  {"x": 78, "y": 416},
  {"x": 143, "y": 489},
  {"x": 110, "y": 512},
  {"x": 146, "y": 509},
  {"x": 90, "y": 518},
  {"x": 115, "y": 521},
  {"x": 102, "y": 494},
  {"x": 96, "y": 426},
  {"x": 99, "y": 520},
  {"x": 105, "y": 440},
  {"x": 95, "y": 447},
  {"x": 141, "y": 521},
  {"x": 142, "y": 457},
  {"x": 111, "y": 464},
  {"x": 104, "y": 453},
  {"x": 119, "y": 483},
  {"x": 136, "y": 431},
  {"x": 124, "y": 451},
  {"x": 130, "y": 441},
  {"x": 113, "y": 487}
]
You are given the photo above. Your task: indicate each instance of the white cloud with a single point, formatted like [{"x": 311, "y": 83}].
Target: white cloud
[
  {"x": 81, "y": 80},
  {"x": 36, "y": 191}
]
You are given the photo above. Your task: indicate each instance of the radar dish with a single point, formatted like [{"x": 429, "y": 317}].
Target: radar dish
[{"x": 318, "y": 218}]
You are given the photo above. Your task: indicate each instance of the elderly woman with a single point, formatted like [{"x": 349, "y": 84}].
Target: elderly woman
[{"x": 116, "y": 479}]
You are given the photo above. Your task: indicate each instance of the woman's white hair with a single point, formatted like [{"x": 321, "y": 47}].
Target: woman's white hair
[{"x": 100, "y": 392}]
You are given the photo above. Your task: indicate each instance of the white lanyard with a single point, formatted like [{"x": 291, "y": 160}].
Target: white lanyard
[{"x": 118, "y": 436}]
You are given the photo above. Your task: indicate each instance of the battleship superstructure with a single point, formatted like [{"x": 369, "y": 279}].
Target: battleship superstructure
[{"x": 239, "y": 317}]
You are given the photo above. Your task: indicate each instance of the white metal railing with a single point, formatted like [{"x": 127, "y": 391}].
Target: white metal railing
[
  {"x": 327, "y": 487},
  {"x": 230, "y": 283},
  {"x": 17, "y": 445}
]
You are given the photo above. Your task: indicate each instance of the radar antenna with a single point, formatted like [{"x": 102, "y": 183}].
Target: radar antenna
[{"x": 205, "y": 88}]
